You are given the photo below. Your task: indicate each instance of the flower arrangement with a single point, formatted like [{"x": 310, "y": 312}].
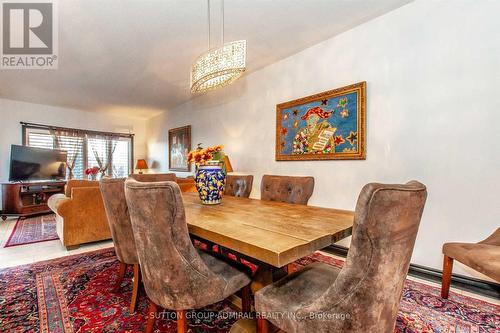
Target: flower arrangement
[
  {"x": 92, "y": 172},
  {"x": 209, "y": 155}
]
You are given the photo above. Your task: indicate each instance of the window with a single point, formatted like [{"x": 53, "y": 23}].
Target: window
[
  {"x": 89, "y": 147},
  {"x": 71, "y": 144},
  {"x": 40, "y": 139},
  {"x": 121, "y": 160}
]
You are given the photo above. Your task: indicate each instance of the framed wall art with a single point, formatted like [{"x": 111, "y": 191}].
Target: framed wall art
[
  {"x": 179, "y": 145},
  {"x": 325, "y": 126}
]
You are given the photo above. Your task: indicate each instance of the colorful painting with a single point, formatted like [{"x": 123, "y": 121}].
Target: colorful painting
[
  {"x": 325, "y": 126},
  {"x": 179, "y": 145}
]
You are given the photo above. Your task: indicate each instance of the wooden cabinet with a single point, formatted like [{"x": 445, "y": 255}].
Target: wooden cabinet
[{"x": 24, "y": 199}]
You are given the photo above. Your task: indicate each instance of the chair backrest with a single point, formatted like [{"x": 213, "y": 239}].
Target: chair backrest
[
  {"x": 79, "y": 183},
  {"x": 493, "y": 239},
  {"x": 238, "y": 185},
  {"x": 115, "y": 205},
  {"x": 296, "y": 190},
  {"x": 154, "y": 177},
  {"x": 370, "y": 284},
  {"x": 174, "y": 275},
  {"x": 186, "y": 184}
]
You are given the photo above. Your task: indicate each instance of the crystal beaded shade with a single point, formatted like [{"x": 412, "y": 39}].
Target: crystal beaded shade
[{"x": 219, "y": 67}]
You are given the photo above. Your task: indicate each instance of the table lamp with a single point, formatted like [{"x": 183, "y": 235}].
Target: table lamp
[
  {"x": 229, "y": 167},
  {"x": 141, "y": 165}
]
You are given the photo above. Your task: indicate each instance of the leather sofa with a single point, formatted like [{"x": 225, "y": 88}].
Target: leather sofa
[{"x": 80, "y": 214}]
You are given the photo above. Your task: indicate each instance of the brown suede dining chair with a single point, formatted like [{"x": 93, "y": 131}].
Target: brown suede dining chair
[
  {"x": 238, "y": 185},
  {"x": 483, "y": 257},
  {"x": 295, "y": 190},
  {"x": 176, "y": 276},
  {"x": 154, "y": 177},
  {"x": 113, "y": 195},
  {"x": 364, "y": 295}
]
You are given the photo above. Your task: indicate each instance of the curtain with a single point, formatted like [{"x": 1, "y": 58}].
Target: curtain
[
  {"x": 103, "y": 157},
  {"x": 72, "y": 142}
]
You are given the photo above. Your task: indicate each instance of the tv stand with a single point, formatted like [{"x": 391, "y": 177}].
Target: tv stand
[{"x": 28, "y": 198}]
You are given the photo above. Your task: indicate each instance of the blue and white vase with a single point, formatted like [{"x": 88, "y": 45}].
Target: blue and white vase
[{"x": 210, "y": 181}]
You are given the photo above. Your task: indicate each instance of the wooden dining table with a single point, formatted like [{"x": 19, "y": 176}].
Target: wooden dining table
[{"x": 270, "y": 234}]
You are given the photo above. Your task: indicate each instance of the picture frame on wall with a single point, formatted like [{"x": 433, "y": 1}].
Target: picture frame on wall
[
  {"x": 179, "y": 145},
  {"x": 325, "y": 126}
]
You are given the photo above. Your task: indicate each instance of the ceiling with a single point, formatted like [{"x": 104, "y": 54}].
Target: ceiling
[{"x": 133, "y": 57}]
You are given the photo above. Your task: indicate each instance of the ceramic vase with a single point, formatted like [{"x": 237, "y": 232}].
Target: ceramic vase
[{"x": 210, "y": 181}]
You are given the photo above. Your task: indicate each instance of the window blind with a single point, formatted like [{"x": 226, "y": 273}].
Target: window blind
[
  {"x": 40, "y": 140},
  {"x": 121, "y": 159}
]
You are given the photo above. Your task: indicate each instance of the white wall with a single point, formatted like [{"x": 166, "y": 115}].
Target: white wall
[
  {"x": 433, "y": 75},
  {"x": 12, "y": 112}
]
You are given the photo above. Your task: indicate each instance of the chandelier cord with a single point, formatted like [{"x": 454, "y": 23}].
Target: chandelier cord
[
  {"x": 222, "y": 10},
  {"x": 208, "y": 22},
  {"x": 222, "y": 21}
]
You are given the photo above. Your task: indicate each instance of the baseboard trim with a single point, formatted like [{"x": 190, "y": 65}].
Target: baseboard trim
[{"x": 466, "y": 283}]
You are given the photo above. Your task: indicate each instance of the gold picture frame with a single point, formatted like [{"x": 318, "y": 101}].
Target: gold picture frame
[
  {"x": 326, "y": 126},
  {"x": 179, "y": 145}
]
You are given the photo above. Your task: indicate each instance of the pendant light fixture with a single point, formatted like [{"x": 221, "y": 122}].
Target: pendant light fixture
[{"x": 220, "y": 66}]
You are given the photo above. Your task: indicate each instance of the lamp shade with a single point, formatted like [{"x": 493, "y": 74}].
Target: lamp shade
[
  {"x": 229, "y": 167},
  {"x": 141, "y": 164}
]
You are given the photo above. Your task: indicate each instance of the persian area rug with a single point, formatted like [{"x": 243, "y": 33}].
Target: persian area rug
[
  {"x": 33, "y": 230},
  {"x": 423, "y": 310},
  {"x": 74, "y": 294}
]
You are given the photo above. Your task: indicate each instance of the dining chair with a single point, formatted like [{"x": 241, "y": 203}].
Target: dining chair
[
  {"x": 113, "y": 195},
  {"x": 483, "y": 257},
  {"x": 238, "y": 185},
  {"x": 176, "y": 276},
  {"x": 154, "y": 177},
  {"x": 364, "y": 295},
  {"x": 115, "y": 206},
  {"x": 295, "y": 190}
]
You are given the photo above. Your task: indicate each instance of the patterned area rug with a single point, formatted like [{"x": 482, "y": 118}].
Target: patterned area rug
[
  {"x": 73, "y": 294},
  {"x": 33, "y": 230},
  {"x": 423, "y": 310}
]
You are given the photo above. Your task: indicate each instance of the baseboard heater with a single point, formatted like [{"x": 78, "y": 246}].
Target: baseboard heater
[{"x": 482, "y": 287}]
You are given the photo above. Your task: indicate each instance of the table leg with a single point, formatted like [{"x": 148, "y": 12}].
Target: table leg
[{"x": 266, "y": 275}]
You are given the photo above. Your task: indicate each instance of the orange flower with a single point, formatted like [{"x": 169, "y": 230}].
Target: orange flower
[
  {"x": 207, "y": 156},
  {"x": 201, "y": 156}
]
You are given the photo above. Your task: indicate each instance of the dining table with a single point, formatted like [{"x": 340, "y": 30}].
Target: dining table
[{"x": 269, "y": 234}]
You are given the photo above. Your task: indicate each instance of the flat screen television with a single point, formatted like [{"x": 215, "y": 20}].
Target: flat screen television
[{"x": 36, "y": 164}]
